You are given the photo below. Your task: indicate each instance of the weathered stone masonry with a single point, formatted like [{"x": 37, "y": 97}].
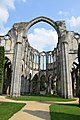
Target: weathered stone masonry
[{"x": 26, "y": 60}]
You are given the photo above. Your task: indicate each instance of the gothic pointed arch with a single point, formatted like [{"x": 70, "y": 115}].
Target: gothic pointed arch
[
  {"x": 47, "y": 20},
  {"x": 7, "y": 76}
]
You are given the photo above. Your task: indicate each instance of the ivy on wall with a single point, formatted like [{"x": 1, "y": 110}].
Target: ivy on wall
[{"x": 1, "y": 66}]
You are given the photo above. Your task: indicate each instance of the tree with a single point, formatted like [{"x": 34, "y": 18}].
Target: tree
[
  {"x": 79, "y": 70},
  {"x": 42, "y": 83},
  {"x": 1, "y": 66}
]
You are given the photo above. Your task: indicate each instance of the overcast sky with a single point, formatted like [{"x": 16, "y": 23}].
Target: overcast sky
[{"x": 42, "y": 36}]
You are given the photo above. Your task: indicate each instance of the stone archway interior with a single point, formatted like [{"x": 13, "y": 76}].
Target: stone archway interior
[
  {"x": 7, "y": 76},
  {"x": 58, "y": 61}
]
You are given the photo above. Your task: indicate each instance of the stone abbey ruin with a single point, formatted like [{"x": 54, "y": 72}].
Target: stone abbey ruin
[{"x": 22, "y": 71}]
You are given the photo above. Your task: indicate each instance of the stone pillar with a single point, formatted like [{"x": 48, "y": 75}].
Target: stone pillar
[
  {"x": 38, "y": 83},
  {"x": 31, "y": 67},
  {"x": 61, "y": 71},
  {"x": 16, "y": 76},
  {"x": 49, "y": 86},
  {"x": 58, "y": 79},
  {"x": 67, "y": 84},
  {"x": 32, "y": 60},
  {"x": 28, "y": 62},
  {"x": 47, "y": 82},
  {"x": 69, "y": 37},
  {"x": 27, "y": 67},
  {"x": 65, "y": 72}
]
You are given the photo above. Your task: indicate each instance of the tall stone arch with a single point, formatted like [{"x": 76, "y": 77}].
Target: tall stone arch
[
  {"x": 44, "y": 19},
  {"x": 59, "y": 26},
  {"x": 18, "y": 34}
]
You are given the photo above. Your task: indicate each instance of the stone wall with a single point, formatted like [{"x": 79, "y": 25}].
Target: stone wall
[{"x": 26, "y": 60}]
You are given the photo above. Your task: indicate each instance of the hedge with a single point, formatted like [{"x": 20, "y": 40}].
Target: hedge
[{"x": 1, "y": 66}]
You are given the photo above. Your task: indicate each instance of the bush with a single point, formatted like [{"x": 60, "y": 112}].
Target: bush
[{"x": 1, "y": 66}]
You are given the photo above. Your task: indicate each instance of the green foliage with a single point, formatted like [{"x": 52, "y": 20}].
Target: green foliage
[
  {"x": 35, "y": 79},
  {"x": 1, "y": 65},
  {"x": 42, "y": 83},
  {"x": 65, "y": 112},
  {"x": 8, "y": 109},
  {"x": 79, "y": 54}
]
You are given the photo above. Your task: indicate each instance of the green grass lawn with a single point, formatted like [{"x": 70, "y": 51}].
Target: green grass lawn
[
  {"x": 41, "y": 98},
  {"x": 8, "y": 109},
  {"x": 65, "y": 112}
]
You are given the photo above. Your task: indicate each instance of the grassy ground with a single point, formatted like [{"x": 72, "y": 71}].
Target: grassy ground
[
  {"x": 8, "y": 109},
  {"x": 42, "y": 98},
  {"x": 65, "y": 112}
]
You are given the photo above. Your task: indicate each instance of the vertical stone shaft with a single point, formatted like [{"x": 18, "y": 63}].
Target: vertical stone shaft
[
  {"x": 16, "y": 78},
  {"x": 65, "y": 65},
  {"x": 61, "y": 63},
  {"x": 47, "y": 73},
  {"x": 64, "y": 70},
  {"x": 38, "y": 87}
]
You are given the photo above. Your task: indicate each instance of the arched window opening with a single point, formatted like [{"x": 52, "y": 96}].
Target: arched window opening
[
  {"x": 43, "y": 83},
  {"x": 75, "y": 77},
  {"x": 43, "y": 61},
  {"x": 36, "y": 57},
  {"x": 7, "y": 76},
  {"x": 50, "y": 58},
  {"x": 42, "y": 36},
  {"x": 35, "y": 83}
]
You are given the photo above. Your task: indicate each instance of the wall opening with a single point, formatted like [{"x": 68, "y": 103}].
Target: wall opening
[
  {"x": 42, "y": 37},
  {"x": 7, "y": 76}
]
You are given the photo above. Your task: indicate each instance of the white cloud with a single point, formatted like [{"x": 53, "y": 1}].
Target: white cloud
[
  {"x": 74, "y": 22},
  {"x": 21, "y": 0},
  {"x": 3, "y": 30},
  {"x": 24, "y": 0},
  {"x": 42, "y": 39},
  {"x": 63, "y": 13},
  {"x": 5, "y": 7},
  {"x": 60, "y": 12}
]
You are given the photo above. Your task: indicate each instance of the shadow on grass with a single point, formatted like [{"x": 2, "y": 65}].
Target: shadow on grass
[
  {"x": 73, "y": 105},
  {"x": 53, "y": 102},
  {"x": 47, "y": 102},
  {"x": 64, "y": 116},
  {"x": 65, "y": 112}
]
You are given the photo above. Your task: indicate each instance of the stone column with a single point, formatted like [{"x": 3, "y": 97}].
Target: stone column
[
  {"x": 65, "y": 72},
  {"x": 47, "y": 82},
  {"x": 26, "y": 69},
  {"x": 67, "y": 84},
  {"x": 30, "y": 69},
  {"x": 69, "y": 37},
  {"x": 38, "y": 85},
  {"x": 28, "y": 62},
  {"x": 25, "y": 65},
  {"x": 49, "y": 85},
  {"x": 32, "y": 63},
  {"x": 16, "y": 76},
  {"x": 58, "y": 79}
]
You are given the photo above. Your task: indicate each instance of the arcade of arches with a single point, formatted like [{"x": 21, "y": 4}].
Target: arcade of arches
[{"x": 25, "y": 74}]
